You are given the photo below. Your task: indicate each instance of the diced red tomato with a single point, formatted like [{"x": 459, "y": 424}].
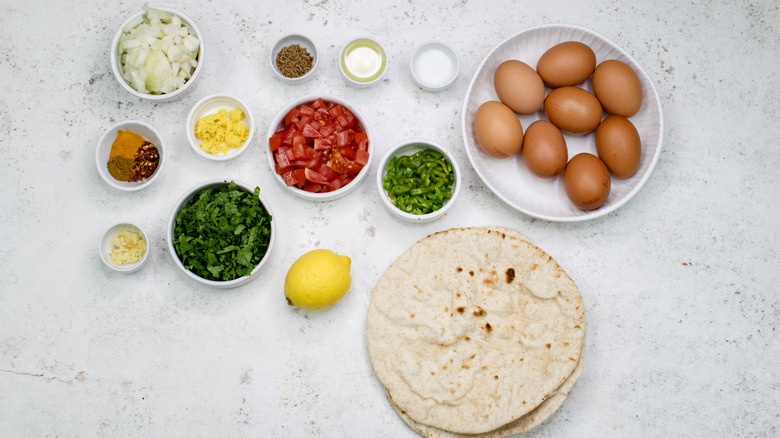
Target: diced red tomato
[
  {"x": 309, "y": 131},
  {"x": 320, "y": 148},
  {"x": 275, "y": 141},
  {"x": 361, "y": 138},
  {"x": 315, "y": 176},
  {"x": 336, "y": 111},
  {"x": 281, "y": 161},
  {"x": 348, "y": 152},
  {"x": 313, "y": 187},
  {"x": 300, "y": 176},
  {"x": 361, "y": 157},
  {"x": 290, "y": 116},
  {"x": 306, "y": 110},
  {"x": 327, "y": 172},
  {"x": 327, "y": 129},
  {"x": 341, "y": 164}
]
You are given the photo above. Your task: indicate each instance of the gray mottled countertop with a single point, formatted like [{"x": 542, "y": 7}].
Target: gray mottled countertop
[{"x": 680, "y": 284}]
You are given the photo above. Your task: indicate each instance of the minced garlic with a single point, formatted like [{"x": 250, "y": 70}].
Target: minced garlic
[
  {"x": 221, "y": 131},
  {"x": 129, "y": 246}
]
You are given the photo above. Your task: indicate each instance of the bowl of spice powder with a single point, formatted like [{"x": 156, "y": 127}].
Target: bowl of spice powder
[
  {"x": 129, "y": 155},
  {"x": 294, "y": 58}
]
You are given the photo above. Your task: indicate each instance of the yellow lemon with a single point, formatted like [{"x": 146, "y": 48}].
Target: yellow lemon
[{"x": 317, "y": 280}]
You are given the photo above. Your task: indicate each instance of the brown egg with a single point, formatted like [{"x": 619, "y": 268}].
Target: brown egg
[
  {"x": 617, "y": 87},
  {"x": 573, "y": 109},
  {"x": 618, "y": 145},
  {"x": 519, "y": 87},
  {"x": 586, "y": 181},
  {"x": 567, "y": 63},
  {"x": 544, "y": 149},
  {"x": 499, "y": 131}
]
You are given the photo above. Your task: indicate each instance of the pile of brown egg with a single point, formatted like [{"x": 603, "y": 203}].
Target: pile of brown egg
[{"x": 568, "y": 108}]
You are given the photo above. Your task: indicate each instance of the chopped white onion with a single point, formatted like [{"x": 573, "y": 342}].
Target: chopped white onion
[{"x": 158, "y": 52}]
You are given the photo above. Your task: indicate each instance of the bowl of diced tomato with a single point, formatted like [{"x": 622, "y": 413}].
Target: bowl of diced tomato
[{"x": 320, "y": 147}]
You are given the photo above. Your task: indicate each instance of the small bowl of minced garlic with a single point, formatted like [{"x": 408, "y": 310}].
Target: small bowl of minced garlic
[
  {"x": 220, "y": 127},
  {"x": 124, "y": 247}
]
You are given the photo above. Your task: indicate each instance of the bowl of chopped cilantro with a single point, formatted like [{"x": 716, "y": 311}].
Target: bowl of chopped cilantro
[
  {"x": 418, "y": 180},
  {"x": 221, "y": 232}
]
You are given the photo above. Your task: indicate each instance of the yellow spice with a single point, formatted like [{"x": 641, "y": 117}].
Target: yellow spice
[
  {"x": 129, "y": 246},
  {"x": 221, "y": 131}
]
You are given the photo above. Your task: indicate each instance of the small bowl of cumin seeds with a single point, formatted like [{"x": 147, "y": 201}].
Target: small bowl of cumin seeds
[{"x": 294, "y": 58}]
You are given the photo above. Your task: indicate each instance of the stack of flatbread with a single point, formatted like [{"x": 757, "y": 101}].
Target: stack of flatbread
[{"x": 476, "y": 332}]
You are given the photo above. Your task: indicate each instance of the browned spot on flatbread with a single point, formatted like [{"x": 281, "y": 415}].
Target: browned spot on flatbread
[
  {"x": 495, "y": 377},
  {"x": 488, "y": 328},
  {"x": 533, "y": 268},
  {"x": 510, "y": 275},
  {"x": 466, "y": 338},
  {"x": 461, "y": 309},
  {"x": 548, "y": 346},
  {"x": 471, "y": 273},
  {"x": 412, "y": 315},
  {"x": 479, "y": 311},
  {"x": 465, "y": 366},
  {"x": 458, "y": 269}
]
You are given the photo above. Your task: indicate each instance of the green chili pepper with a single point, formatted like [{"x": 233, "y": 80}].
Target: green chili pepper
[{"x": 419, "y": 183}]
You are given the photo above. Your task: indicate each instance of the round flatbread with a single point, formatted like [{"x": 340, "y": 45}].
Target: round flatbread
[
  {"x": 521, "y": 425},
  {"x": 472, "y": 328}
]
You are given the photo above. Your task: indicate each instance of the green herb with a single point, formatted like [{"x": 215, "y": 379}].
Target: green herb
[
  {"x": 419, "y": 183},
  {"x": 222, "y": 233}
]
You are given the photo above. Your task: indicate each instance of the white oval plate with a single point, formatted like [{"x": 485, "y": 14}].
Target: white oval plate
[{"x": 509, "y": 179}]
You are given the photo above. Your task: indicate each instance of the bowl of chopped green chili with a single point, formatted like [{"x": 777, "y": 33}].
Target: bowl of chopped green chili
[
  {"x": 418, "y": 180},
  {"x": 221, "y": 232}
]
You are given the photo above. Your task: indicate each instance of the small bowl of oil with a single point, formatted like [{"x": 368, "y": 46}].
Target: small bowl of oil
[{"x": 363, "y": 62}]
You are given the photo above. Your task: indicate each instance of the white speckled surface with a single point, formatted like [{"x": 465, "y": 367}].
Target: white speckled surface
[{"x": 680, "y": 284}]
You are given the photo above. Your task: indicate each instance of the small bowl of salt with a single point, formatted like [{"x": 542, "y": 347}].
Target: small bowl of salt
[{"x": 434, "y": 65}]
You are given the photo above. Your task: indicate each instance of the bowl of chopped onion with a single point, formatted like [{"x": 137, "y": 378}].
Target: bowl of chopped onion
[{"x": 157, "y": 54}]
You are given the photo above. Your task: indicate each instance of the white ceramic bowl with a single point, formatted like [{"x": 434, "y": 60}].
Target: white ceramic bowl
[
  {"x": 210, "y": 105},
  {"x": 434, "y": 65},
  {"x": 409, "y": 147},
  {"x": 363, "y": 62},
  {"x": 303, "y": 41},
  {"x": 278, "y": 124},
  {"x": 104, "y": 149},
  {"x": 510, "y": 179},
  {"x": 105, "y": 247},
  {"x": 189, "y": 195},
  {"x": 116, "y": 59}
]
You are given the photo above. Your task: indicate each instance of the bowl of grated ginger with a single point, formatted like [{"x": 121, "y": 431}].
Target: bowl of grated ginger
[{"x": 220, "y": 127}]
